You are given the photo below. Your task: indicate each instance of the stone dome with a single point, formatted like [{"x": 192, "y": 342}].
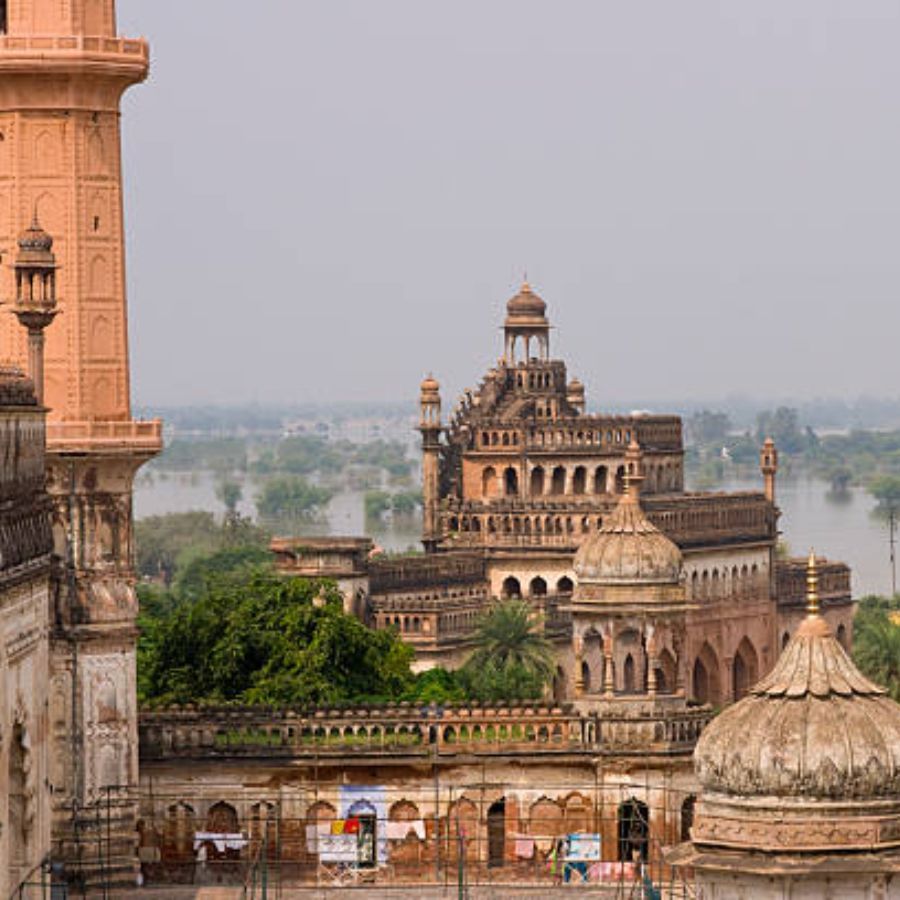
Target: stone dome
[
  {"x": 526, "y": 304},
  {"x": 809, "y": 761},
  {"x": 576, "y": 387},
  {"x": 813, "y": 728},
  {"x": 35, "y": 240},
  {"x": 430, "y": 385},
  {"x": 628, "y": 547}
]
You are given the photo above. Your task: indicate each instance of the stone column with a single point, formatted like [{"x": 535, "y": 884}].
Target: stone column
[
  {"x": 652, "y": 661},
  {"x": 609, "y": 679},
  {"x": 578, "y": 650}
]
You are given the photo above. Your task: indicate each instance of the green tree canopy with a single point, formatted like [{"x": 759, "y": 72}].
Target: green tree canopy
[
  {"x": 255, "y": 637},
  {"x": 161, "y": 541},
  {"x": 876, "y": 641},
  {"x": 512, "y": 658},
  {"x": 886, "y": 490},
  {"x": 290, "y": 497}
]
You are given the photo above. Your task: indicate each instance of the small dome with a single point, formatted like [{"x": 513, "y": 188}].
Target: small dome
[
  {"x": 526, "y": 304},
  {"x": 814, "y": 728},
  {"x": 576, "y": 387},
  {"x": 628, "y": 547},
  {"x": 809, "y": 761},
  {"x": 35, "y": 240},
  {"x": 430, "y": 385}
]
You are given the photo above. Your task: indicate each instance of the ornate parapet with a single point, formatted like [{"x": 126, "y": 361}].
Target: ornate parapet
[
  {"x": 410, "y": 573},
  {"x": 407, "y": 730},
  {"x": 131, "y": 436},
  {"x": 691, "y": 520},
  {"x": 26, "y": 52},
  {"x": 790, "y": 583}
]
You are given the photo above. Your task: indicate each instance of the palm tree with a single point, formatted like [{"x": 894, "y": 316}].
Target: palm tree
[
  {"x": 876, "y": 650},
  {"x": 512, "y": 656}
]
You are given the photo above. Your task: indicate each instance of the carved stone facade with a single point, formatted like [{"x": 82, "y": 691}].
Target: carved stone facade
[
  {"x": 25, "y": 603},
  {"x": 523, "y": 475},
  {"x": 800, "y": 793},
  {"x": 63, "y": 71}
]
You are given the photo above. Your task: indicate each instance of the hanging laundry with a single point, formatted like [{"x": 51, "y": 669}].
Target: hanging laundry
[
  {"x": 524, "y": 847},
  {"x": 397, "y": 831},
  {"x": 337, "y": 826},
  {"x": 419, "y": 827},
  {"x": 351, "y": 826}
]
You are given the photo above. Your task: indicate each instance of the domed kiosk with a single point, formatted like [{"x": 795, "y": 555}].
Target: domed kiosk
[
  {"x": 801, "y": 780},
  {"x": 629, "y": 605}
]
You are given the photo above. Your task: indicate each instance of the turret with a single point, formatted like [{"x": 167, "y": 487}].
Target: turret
[
  {"x": 768, "y": 465},
  {"x": 35, "y": 307},
  {"x": 526, "y": 322},
  {"x": 430, "y": 428},
  {"x": 575, "y": 395}
]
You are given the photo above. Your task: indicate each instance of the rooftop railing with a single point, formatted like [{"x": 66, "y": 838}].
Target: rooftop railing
[
  {"x": 73, "y": 45},
  {"x": 89, "y": 434},
  {"x": 406, "y": 729}
]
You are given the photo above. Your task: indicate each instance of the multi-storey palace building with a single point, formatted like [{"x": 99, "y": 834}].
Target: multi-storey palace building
[{"x": 521, "y": 475}]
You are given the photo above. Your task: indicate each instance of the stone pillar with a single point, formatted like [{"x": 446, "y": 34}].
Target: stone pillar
[
  {"x": 578, "y": 651},
  {"x": 609, "y": 677},
  {"x": 652, "y": 662}
]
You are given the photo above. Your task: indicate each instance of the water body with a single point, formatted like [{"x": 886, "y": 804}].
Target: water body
[
  {"x": 839, "y": 528},
  {"x": 175, "y": 492}
]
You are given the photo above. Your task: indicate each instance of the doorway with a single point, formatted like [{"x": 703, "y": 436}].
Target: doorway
[{"x": 496, "y": 828}]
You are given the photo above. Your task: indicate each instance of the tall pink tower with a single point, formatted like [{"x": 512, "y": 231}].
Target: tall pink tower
[{"x": 63, "y": 71}]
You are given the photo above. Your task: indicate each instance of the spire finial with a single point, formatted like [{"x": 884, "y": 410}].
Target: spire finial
[{"x": 812, "y": 585}]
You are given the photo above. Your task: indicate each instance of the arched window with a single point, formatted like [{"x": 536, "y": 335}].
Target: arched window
[
  {"x": 586, "y": 676},
  {"x": 629, "y": 675},
  {"x": 558, "y": 485},
  {"x": 745, "y": 667},
  {"x": 687, "y": 817},
  {"x": 511, "y": 482},
  {"x": 841, "y": 635},
  {"x": 600, "y": 476},
  {"x": 511, "y": 587},
  {"x": 706, "y": 676},
  {"x": 538, "y": 587},
  {"x": 579, "y": 480},
  {"x": 565, "y": 586},
  {"x": 537, "y": 481},
  {"x": 620, "y": 480},
  {"x": 489, "y": 483}
]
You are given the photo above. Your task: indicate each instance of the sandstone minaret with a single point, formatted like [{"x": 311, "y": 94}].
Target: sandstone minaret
[
  {"x": 430, "y": 428},
  {"x": 63, "y": 71}
]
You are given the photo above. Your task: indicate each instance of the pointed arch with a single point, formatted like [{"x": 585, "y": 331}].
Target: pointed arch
[
  {"x": 744, "y": 669},
  {"x": 705, "y": 681}
]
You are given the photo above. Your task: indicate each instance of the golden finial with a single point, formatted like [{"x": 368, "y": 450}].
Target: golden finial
[{"x": 812, "y": 585}]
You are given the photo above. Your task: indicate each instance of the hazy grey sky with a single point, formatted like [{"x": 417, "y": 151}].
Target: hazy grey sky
[{"x": 327, "y": 199}]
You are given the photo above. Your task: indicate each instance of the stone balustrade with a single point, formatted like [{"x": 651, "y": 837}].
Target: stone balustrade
[
  {"x": 790, "y": 581},
  {"x": 691, "y": 520},
  {"x": 406, "y": 729},
  {"x": 38, "y": 46},
  {"x": 93, "y": 435},
  {"x": 423, "y": 572}
]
